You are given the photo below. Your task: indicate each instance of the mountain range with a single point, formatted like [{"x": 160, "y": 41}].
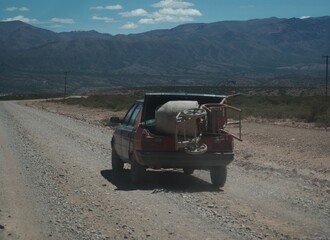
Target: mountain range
[{"x": 260, "y": 51}]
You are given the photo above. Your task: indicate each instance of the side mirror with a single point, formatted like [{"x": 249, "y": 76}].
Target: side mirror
[{"x": 115, "y": 121}]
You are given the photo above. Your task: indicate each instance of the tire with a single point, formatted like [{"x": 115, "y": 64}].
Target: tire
[
  {"x": 218, "y": 176},
  {"x": 116, "y": 162},
  {"x": 188, "y": 171},
  {"x": 138, "y": 172}
]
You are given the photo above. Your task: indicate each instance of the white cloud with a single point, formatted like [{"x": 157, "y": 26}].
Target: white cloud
[
  {"x": 172, "y": 4},
  {"x": 23, "y": 19},
  {"x": 11, "y": 9},
  {"x": 166, "y": 18},
  {"x": 104, "y": 19},
  {"x": 130, "y": 25},
  {"x": 147, "y": 21},
  {"x": 135, "y": 13},
  {"x": 174, "y": 15},
  {"x": 113, "y": 7},
  {"x": 305, "y": 17},
  {"x": 174, "y": 11},
  {"x": 21, "y": 9},
  {"x": 180, "y": 12},
  {"x": 62, "y": 20}
]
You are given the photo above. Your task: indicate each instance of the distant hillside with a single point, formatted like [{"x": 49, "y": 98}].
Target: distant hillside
[{"x": 248, "y": 51}]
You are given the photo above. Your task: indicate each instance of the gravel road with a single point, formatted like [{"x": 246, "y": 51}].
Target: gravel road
[{"x": 56, "y": 182}]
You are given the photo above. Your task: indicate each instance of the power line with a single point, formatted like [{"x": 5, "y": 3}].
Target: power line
[
  {"x": 326, "y": 74},
  {"x": 66, "y": 74}
]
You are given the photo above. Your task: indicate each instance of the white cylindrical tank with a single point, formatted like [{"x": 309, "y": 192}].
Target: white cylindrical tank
[{"x": 166, "y": 117}]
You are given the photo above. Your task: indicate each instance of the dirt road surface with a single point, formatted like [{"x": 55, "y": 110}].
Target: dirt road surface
[{"x": 56, "y": 182}]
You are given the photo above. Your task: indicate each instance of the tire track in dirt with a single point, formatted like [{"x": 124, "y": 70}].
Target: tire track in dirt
[
  {"x": 16, "y": 214},
  {"x": 93, "y": 200}
]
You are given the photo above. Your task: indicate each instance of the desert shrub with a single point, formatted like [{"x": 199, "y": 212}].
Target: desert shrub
[
  {"x": 308, "y": 109},
  {"x": 303, "y": 108},
  {"x": 113, "y": 102},
  {"x": 323, "y": 120},
  {"x": 28, "y": 96}
]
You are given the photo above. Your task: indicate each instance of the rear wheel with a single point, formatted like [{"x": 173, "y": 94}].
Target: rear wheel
[
  {"x": 138, "y": 172},
  {"x": 218, "y": 176},
  {"x": 116, "y": 162}
]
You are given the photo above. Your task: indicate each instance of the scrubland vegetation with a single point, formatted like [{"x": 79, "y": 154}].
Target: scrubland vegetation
[
  {"x": 307, "y": 109},
  {"x": 269, "y": 103},
  {"x": 264, "y": 104}
]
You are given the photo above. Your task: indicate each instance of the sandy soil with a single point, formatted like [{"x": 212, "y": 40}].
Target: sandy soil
[
  {"x": 291, "y": 144},
  {"x": 56, "y": 182},
  {"x": 90, "y": 115}
]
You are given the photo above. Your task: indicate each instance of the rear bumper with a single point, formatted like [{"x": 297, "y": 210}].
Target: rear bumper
[{"x": 182, "y": 159}]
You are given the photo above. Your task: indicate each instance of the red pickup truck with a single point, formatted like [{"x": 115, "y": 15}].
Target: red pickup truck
[{"x": 176, "y": 130}]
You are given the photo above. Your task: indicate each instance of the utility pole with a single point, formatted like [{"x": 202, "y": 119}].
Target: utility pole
[
  {"x": 326, "y": 75},
  {"x": 66, "y": 74}
]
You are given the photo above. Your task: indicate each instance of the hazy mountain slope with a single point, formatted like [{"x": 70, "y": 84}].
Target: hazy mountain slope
[
  {"x": 18, "y": 36},
  {"x": 221, "y": 49}
]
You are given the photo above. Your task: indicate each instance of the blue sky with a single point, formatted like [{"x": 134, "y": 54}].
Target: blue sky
[{"x": 134, "y": 16}]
